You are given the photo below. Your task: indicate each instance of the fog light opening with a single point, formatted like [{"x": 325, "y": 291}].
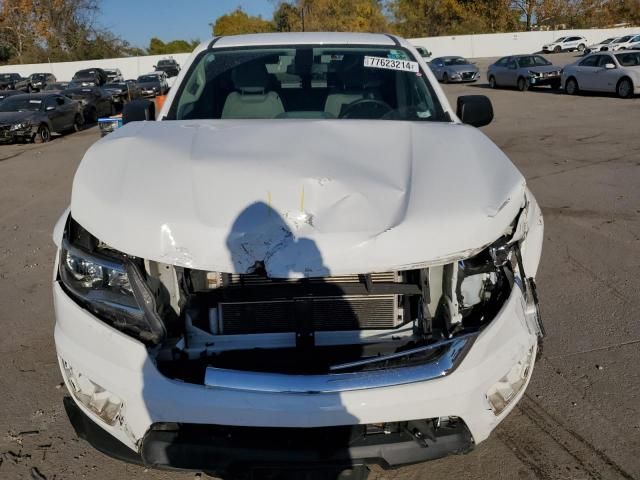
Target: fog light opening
[
  {"x": 104, "y": 404},
  {"x": 501, "y": 394}
]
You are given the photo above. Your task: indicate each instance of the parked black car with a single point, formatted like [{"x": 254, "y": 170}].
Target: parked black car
[
  {"x": 96, "y": 102},
  {"x": 9, "y": 93},
  {"x": 168, "y": 66},
  {"x": 35, "y": 82},
  {"x": 9, "y": 80},
  {"x": 95, "y": 76},
  {"x": 114, "y": 75},
  {"x": 122, "y": 92},
  {"x": 58, "y": 86},
  {"x": 32, "y": 117},
  {"x": 152, "y": 85}
]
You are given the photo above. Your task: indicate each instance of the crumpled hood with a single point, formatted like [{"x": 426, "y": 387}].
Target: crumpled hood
[
  {"x": 7, "y": 118},
  {"x": 304, "y": 197}
]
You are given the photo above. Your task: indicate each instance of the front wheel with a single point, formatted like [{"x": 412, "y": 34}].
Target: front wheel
[
  {"x": 625, "y": 88},
  {"x": 43, "y": 135},
  {"x": 571, "y": 87},
  {"x": 557, "y": 49},
  {"x": 523, "y": 84},
  {"x": 77, "y": 123},
  {"x": 445, "y": 78},
  {"x": 492, "y": 82},
  {"x": 581, "y": 47}
]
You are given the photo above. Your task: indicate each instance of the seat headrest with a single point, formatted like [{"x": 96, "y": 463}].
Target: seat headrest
[{"x": 250, "y": 77}]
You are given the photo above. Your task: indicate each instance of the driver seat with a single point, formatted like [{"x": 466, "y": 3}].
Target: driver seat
[
  {"x": 353, "y": 84},
  {"x": 253, "y": 99}
]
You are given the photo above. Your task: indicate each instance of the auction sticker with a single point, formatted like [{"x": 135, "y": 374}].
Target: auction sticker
[{"x": 391, "y": 64}]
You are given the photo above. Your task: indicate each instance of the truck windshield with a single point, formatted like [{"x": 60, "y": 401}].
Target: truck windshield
[{"x": 321, "y": 82}]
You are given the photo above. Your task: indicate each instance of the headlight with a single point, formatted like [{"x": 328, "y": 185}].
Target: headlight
[
  {"x": 19, "y": 126},
  {"x": 110, "y": 285}
]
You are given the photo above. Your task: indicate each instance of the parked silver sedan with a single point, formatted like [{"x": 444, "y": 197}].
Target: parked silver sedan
[
  {"x": 615, "y": 72},
  {"x": 523, "y": 72},
  {"x": 454, "y": 69}
]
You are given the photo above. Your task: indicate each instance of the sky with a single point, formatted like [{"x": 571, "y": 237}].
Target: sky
[{"x": 138, "y": 20}]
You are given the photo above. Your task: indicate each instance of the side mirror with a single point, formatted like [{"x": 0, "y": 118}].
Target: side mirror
[
  {"x": 138, "y": 111},
  {"x": 610, "y": 66},
  {"x": 475, "y": 110},
  {"x": 155, "y": 66}
]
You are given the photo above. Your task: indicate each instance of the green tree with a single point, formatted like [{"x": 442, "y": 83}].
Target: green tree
[
  {"x": 158, "y": 47},
  {"x": 238, "y": 22}
]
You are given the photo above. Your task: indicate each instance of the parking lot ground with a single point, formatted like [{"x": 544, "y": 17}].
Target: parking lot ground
[{"x": 580, "y": 417}]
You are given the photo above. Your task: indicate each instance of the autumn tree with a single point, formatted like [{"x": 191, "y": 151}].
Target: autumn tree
[
  {"x": 427, "y": 18},
  {"x": 158, "y": 47},
  {"x": 238, "y": 22}
]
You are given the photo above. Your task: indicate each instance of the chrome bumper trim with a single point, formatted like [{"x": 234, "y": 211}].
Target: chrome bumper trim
[{"x": 445, "y": 364}]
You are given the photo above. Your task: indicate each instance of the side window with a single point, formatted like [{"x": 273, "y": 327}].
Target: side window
[
  {"x": 49, "y": 102},
  {"x": 590, "y": 61},
  {"x": 502, "y": 62},
  {"x": 59, "y": 101},
  {"x": 604, "y": 59},
  {"x": 512, "y": 64}
]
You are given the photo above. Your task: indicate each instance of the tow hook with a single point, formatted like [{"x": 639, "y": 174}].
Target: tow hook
[{"x": 421, "y": 431}]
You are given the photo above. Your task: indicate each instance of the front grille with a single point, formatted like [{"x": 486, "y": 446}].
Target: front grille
[
  {"x": 357, "y": 312},
  {"x": 254, "y": 303},
  {"x": 468, "y": 75}
]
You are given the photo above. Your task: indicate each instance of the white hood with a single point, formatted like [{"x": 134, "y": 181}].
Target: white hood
[{"x": 307, "y": 198}]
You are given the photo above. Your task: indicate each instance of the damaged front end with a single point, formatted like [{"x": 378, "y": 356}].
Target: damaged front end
[{"x": 302, "y": 335}]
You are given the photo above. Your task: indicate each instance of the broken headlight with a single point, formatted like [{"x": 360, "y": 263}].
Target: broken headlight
[{"x": 110, "y": 285}]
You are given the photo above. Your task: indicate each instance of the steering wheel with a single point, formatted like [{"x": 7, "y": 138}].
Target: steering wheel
[{"x": 366, "y": 108}]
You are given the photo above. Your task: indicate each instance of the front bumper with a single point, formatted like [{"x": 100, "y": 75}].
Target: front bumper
[
  {"x": 541, "y": 81},
  {"x": 465, "y": 77},
  {"x": 185, "y": 411}
]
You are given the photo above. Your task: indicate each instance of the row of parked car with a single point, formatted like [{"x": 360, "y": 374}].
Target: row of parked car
[
  {"x": 580, "y": 44},
  {"x": 32, "y": 108},
  {"x": 606, "y": 70}
]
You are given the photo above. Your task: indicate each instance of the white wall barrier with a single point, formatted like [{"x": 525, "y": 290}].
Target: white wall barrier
[
  {"x": 131, "y": 67},
  {"x": 500, "y": 44},
  {"x": 471, "y": 46}
]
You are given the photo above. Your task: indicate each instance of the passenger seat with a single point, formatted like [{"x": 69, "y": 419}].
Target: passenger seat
[{"x": 252, "y": 100}]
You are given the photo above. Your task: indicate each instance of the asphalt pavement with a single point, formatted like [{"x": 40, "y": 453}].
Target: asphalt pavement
[{"x": 580, "y": 417}]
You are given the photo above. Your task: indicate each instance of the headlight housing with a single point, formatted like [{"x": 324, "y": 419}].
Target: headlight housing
[
  {"x": 109, "y": 284},
  {"x": 19, "y": 126}
]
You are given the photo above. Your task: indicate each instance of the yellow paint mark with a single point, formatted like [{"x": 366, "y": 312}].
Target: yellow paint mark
[{"x": 302, "y": 200}]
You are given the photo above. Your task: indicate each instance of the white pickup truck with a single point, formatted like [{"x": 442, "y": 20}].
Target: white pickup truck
[{"x": 307, "y": 259}]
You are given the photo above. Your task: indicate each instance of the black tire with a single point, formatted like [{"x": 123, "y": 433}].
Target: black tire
[
  {"x": 523, "y": 84},
  {"x": 91, "y": 116},
  {"x": 29, "y": 89},
  {"x": 78, "y": 121},
  {"x": 445, "y": 78},
  {"x": 571, "y": 86},
  {"x": 624, "y": 89},
  {"x": 43, "y": 135},
  {"x": 557, "y": 49},
  {"x": 581, "y": 47},
  {"x": 492, "y": 82}
]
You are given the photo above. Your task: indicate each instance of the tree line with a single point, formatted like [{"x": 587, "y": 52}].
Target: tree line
[
  {"x": 36, "y": 31},
  {"x": 40, "y": 31},
  {"x": 425, "y": 18}
]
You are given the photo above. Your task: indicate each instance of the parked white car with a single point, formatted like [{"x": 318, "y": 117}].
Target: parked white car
[
  {"x": 566, "y": 44},
  {"x": 596, "y": 47},
  {"x": 622, "y": 43},
  {"x": 336, "y": 272},
  {"x": 614, "y": 72}
]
